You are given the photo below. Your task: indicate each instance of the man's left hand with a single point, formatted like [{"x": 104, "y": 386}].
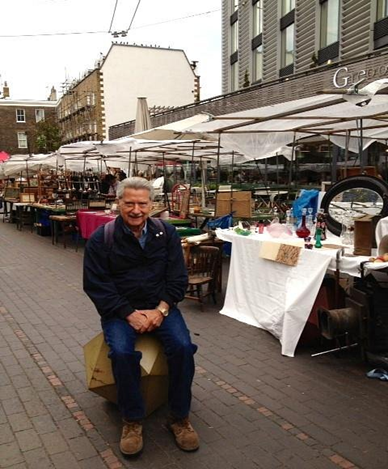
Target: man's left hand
[{"x": 154, "y": 316}]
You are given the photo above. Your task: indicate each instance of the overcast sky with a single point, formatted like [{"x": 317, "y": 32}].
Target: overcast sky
[{"x": 31, "y": 65}]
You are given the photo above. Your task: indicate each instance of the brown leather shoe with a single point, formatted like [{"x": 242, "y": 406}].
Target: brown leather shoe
[
  {"x": 131, "y": 442},
  {"x": 186, "y": 437}
]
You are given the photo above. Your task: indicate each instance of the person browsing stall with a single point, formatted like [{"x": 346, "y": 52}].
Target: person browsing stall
[{"x": 136, "y": 284}]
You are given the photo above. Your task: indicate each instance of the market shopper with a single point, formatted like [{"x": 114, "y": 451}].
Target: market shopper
[{"x": 135, "y": 277}]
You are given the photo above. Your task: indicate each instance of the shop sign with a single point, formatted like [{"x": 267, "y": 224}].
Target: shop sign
[{"x": 343, "y": 78}]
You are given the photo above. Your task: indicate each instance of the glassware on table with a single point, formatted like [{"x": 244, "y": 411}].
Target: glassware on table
[
  {"x": 318, "y": 234},
  {"x": 303, "y": 231}
]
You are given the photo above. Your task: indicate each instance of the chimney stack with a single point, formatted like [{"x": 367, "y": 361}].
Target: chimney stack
[
  {"x": 53, "y": 94},
  {"x": 5, "y": 90}
]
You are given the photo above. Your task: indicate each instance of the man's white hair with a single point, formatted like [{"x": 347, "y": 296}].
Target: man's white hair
[{"x": 135, "y": 183}]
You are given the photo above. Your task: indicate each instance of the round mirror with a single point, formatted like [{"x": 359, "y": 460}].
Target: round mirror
[{"x": 354, "y": 197}]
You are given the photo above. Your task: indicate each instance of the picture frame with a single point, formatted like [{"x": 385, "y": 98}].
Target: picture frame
[
  {"x": 27, "y": 198},
  {"x": 11, "y": 193}
]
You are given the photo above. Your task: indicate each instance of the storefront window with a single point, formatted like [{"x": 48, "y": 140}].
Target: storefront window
[
  {"x": 288, "y": 45},
  {"x": 234, "y": 37},
  {"x": 330, "y": 14},
  {"x": 287, "y": 6},
  {"x": 258, "y": 63},
  {"x": 234, "y": 77},
  {"x": 382, "y": 9},
  {"x": 257, "y": 18}
]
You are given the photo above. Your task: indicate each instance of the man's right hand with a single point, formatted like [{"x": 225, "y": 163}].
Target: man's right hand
[{"x": 138, "y": 321}]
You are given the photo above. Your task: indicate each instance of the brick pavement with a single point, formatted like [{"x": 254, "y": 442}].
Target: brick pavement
[{"x": 252, "y": 407}]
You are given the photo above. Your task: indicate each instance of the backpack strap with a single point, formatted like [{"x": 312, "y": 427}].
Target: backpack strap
[
  {"x": 158, "y": 222},
  {"x": 109, "y": 229}
]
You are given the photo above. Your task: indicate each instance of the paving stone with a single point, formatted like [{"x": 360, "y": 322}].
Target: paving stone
[
  {"x": 54, "y": 442},
  {"x": 28, "y": 440},
  {"x": 20, "y": 422},
  {"x": 6, "y": 435},
  {"x": 43, "y": 424},
  {"x": 12, "y": 406},
  {"x": 10, "y": 454},
  {"x": 81, "y": 448},
  {"x": 38, "y": 459}
]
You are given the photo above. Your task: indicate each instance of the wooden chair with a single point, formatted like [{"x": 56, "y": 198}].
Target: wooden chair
[{"x": 202, "y": 268}]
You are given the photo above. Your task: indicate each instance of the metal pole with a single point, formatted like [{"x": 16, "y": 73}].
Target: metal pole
[
  {"x": 347, "y": 142},
  {"x": 129, "y": 161},
  {"x": 360, "y": 147},
  {"x": 218, "y": 170},
  {"x": 291, "y": 162},
  {"x": 231, "y": 187}
]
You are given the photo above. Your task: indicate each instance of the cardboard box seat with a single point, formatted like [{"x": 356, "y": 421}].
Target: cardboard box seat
[{"x": 154, "y": 371}]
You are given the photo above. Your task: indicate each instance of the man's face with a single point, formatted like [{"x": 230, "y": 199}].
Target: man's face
[{"x": 135, "y": 206}]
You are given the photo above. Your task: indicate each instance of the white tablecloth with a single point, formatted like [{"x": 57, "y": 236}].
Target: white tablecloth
[
  {"x": 381, "y": 229},
  {"x": 273, "y": 296}
]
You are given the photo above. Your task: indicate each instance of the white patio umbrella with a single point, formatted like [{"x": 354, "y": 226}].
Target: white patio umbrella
[{"x": 143, "y": 119}]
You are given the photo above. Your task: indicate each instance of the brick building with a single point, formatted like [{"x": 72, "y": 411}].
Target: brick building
[
  {"x": 18, "y": 119},
  {"x": 80, "y": 111},
  {"x": 280, "y": 50}
]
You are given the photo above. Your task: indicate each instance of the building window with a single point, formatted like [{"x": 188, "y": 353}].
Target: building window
[
  {"x": 287, "y": 6},
  {"x": 20, "y": 115},
  {"x": 22, "y": 140},
  {"x": 39, "y": 115},
  {"x": 288, "y": 45},
  {"x": 234, "y": 76},
  {"x": 380, "y": 33},
  {"x": 382, "y": 9},
  {"x": 257, "y": 18},
  {"x": 258, "y": 63},
  {"x": 330, "y": 15},
  {"x": 234, "y": 37},
  {"x": 234, "y": 5}
]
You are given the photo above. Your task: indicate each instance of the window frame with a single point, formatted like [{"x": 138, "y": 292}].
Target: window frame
[
  {"x": 36, "y": 115},
  {"x": 381, "y": 9},
  {"x": 283, "y": 58},
  {"x": 257, "y": 17},
  {"x": 234, "y": 37},
  {"x": 23, "y": 112},
  {"x": 325, "y": 24},
  {"x": 234, "y": 78},
  {"x": 20, "y": 140},
  {"x": 255, "y": 53},
  {"x": 287, "y": 6}
]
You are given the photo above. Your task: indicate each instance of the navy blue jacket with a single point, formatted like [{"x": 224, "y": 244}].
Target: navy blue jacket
[{"x": 124, "y": 277}]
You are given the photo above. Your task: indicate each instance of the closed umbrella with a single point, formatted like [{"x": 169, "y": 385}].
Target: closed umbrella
[{"x": 143, "y": 120}]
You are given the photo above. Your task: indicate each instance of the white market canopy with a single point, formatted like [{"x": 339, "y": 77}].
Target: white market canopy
[
  {"x": 144, "y": 151},
  {"x": 262, "y": 132}
]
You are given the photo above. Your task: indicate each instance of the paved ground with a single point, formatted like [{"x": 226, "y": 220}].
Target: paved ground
[{"x": 252, "y": 407}]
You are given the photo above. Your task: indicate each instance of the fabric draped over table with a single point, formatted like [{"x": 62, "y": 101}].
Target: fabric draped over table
[{"x": 272, "y": 296}]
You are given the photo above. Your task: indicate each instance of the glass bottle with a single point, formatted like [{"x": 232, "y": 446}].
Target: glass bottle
[
  {"x": 321, "y": 223},
  {"x": 318, "y": 234},
  {"x": 303, "y": 231}
]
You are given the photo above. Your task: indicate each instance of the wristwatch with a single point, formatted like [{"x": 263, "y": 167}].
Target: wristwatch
[{"x": 163, "y": 310}]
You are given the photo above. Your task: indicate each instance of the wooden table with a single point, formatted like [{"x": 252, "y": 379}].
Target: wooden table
[{"x": 63, "y": 222}]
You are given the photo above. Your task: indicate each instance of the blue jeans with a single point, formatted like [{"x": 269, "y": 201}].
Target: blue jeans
[{"x": 179, "y": 350}]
